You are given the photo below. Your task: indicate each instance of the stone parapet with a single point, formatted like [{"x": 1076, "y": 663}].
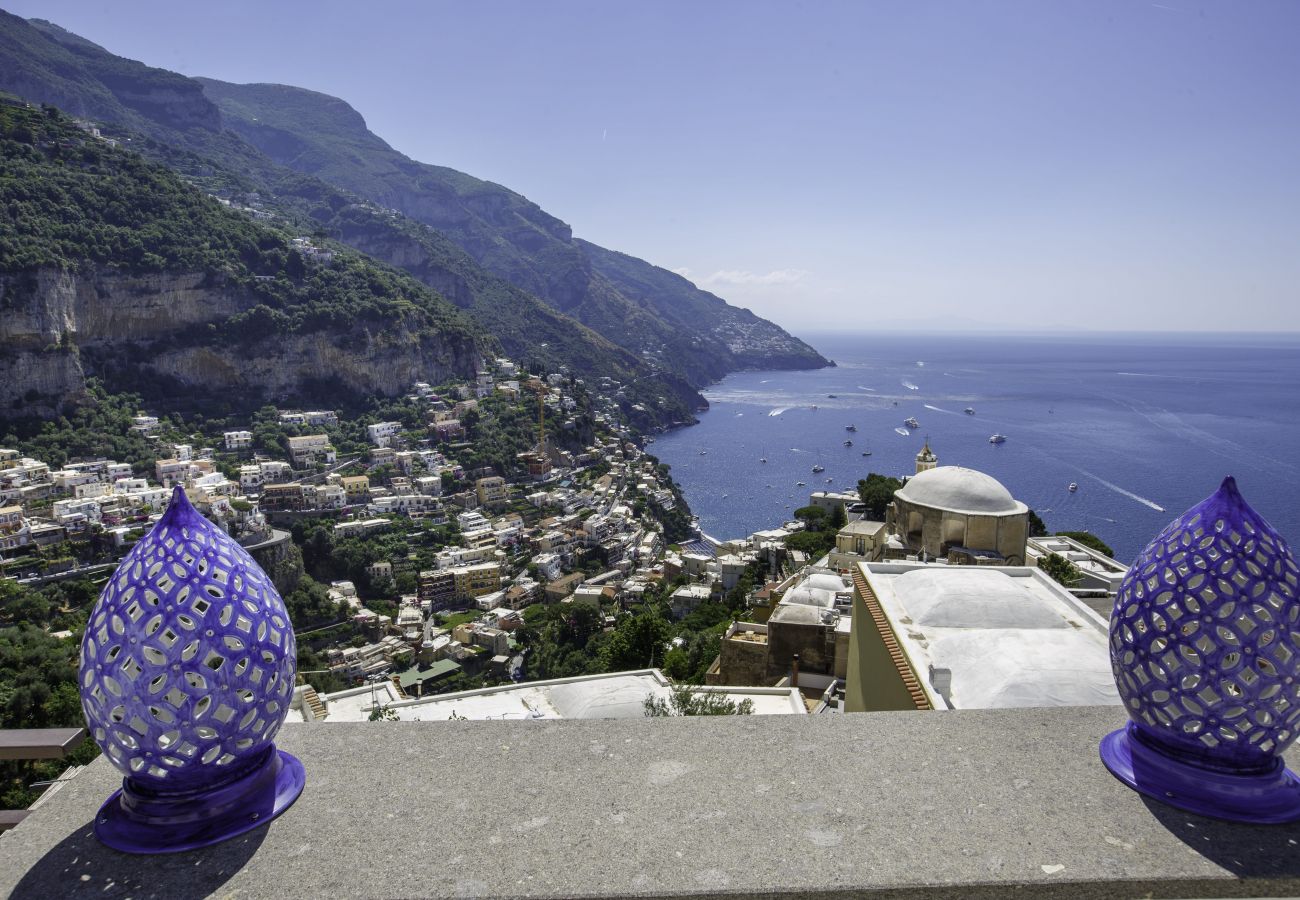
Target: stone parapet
[{"x": 969, "y": 804}]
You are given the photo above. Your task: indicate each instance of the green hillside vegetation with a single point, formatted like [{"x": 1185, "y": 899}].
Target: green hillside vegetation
[
  {"x": 67, "y": 199},
  {"x": 47, "y": 64}
]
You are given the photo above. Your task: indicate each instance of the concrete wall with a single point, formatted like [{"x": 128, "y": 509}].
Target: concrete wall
[
  {"x": 871, "y": 682},
  {"x": 743, "y": 663},
  {"x": 975, "y": 805}
]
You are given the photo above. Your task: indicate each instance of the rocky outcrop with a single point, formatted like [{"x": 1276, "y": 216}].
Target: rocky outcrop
[
  {"x": 59, "y": 327},
  {"x": 95, "y": 306}
]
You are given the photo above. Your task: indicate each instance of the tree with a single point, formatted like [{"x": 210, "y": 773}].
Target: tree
[
  {"x": 814, "y": 543},
  {"x": 1060, "y": 569},
  {"x": 812, "y": 516},
  {"x": 636, "y": 641},
  {"x": 1036, "y": 526},
  {"x": 382, "y": 714},
  {"x": 839, "y": 518},
  {"x": 877, "y": 492},
  {"x": 686, "y": 700}
]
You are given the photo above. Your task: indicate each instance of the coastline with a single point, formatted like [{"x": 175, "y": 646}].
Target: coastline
[{"x": 1141, "y": 423}]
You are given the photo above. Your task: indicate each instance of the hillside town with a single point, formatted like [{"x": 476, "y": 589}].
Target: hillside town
[{"x": 475, "y": 562}]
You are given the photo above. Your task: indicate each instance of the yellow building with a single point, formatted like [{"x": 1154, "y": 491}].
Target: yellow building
[
  {"x": 357, "y": 487},
  {"x": 492, "y": 490},
  {"x": 475, "y": 581}
]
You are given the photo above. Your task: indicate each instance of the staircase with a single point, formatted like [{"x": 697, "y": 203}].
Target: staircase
[{"x": 312, "y": 701}]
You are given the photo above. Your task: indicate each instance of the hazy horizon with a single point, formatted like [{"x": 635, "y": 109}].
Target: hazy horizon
[{"x": 977, "y": 167}]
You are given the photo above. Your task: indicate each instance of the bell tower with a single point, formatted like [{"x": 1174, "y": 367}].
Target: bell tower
[{"x": 926, "y": 460}]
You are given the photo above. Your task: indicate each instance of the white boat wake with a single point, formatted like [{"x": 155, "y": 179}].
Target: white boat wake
[
  {"x": 1119, "y": 490},
  {"x": 937, "y": 409},
  {"x": 910, "y": 386},
  {"x": 778, "y": 411},
  {"x": 904, "y": 432},
  {"x": 863, "y": 387}
]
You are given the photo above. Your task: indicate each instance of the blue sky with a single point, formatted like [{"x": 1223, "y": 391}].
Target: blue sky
[{"x": 1033, "y": 165}]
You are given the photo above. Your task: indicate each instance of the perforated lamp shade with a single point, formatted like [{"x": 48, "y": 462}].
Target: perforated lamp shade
[
  {"x": 1205, "y": 647},
  {"x": 187, "y": 673}
]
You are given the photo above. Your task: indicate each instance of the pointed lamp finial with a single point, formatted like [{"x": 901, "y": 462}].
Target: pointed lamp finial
[
  {"x": 1204, "y": 650},
  {"x": 187, "y": 672}
]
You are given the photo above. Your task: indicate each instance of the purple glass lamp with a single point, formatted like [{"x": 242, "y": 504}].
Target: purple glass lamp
[
  {"x": 1205, "y": 646},
  {"x": 187, "y": 671}
]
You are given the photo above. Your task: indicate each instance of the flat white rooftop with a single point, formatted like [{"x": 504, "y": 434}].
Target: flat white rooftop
[
  {"x": 1010, "y": 636},
  {"x": 617, "y": 695}
]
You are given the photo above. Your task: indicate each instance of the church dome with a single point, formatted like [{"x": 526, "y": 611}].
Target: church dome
[{"x": 958, "y": 489}]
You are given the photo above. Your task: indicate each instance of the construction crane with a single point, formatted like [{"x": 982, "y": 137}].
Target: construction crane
[{"x": 539, "y": 459}]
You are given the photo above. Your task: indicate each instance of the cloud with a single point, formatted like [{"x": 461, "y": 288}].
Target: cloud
[{"x": 761, "y": 279}]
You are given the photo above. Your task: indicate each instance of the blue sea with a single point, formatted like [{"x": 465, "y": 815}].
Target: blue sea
[{"x": 1147, "y": 426}]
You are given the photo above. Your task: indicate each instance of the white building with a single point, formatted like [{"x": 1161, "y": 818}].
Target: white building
[
  {"x": 238, "y": 440},
  {"x": 76, "y": 515},
  {"x": 548, "y": 565},
  {"x": 381, "y": 433},
  {"x": 687, "y": 597},
  {"x": 615, "y": 695},
  {"x": 974, "y": 637}
]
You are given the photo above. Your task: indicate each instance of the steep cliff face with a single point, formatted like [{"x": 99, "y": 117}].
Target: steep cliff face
[
  {"x": 49, "y": 306},
  {"x": 57, "y": 328}
]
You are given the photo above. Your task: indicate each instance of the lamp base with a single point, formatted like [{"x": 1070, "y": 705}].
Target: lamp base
[
  {"x": 1270, "y": 798},
  {"x": 135, "y": 820}
]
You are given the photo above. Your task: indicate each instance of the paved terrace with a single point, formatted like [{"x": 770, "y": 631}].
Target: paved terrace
[{"x": 963, "y": 804}]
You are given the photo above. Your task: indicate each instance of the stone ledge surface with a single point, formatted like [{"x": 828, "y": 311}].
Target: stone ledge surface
[{"x": 964, "y": 804}]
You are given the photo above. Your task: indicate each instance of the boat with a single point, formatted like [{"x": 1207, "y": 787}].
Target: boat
[
  {"x": 829, "y": 480},
  {"x": 762, "y": 459},
  {"x": 848, "y": 443},
  {"x": 801, "y": 484},
  {"x": 911, "y": 422},
  {"x": 704, "y": 453},
  {"x": 817, "y": 469},
  {"x": 850, "y": 428},
  {"x": 1073, "y": 487},
  {"x": 970, "y": 410},
  {"x": 866, "y": 452},
  {"x": 832, "y": 396},
  {"x": 997, "y": 439}
]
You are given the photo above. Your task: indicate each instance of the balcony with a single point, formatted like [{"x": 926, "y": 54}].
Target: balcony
[{"x": 968, "y": 804}]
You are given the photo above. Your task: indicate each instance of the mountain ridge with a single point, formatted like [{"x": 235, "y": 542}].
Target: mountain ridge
[
  {"x": 516, "y": 269},
  {"x": 506, "y": 232}
]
